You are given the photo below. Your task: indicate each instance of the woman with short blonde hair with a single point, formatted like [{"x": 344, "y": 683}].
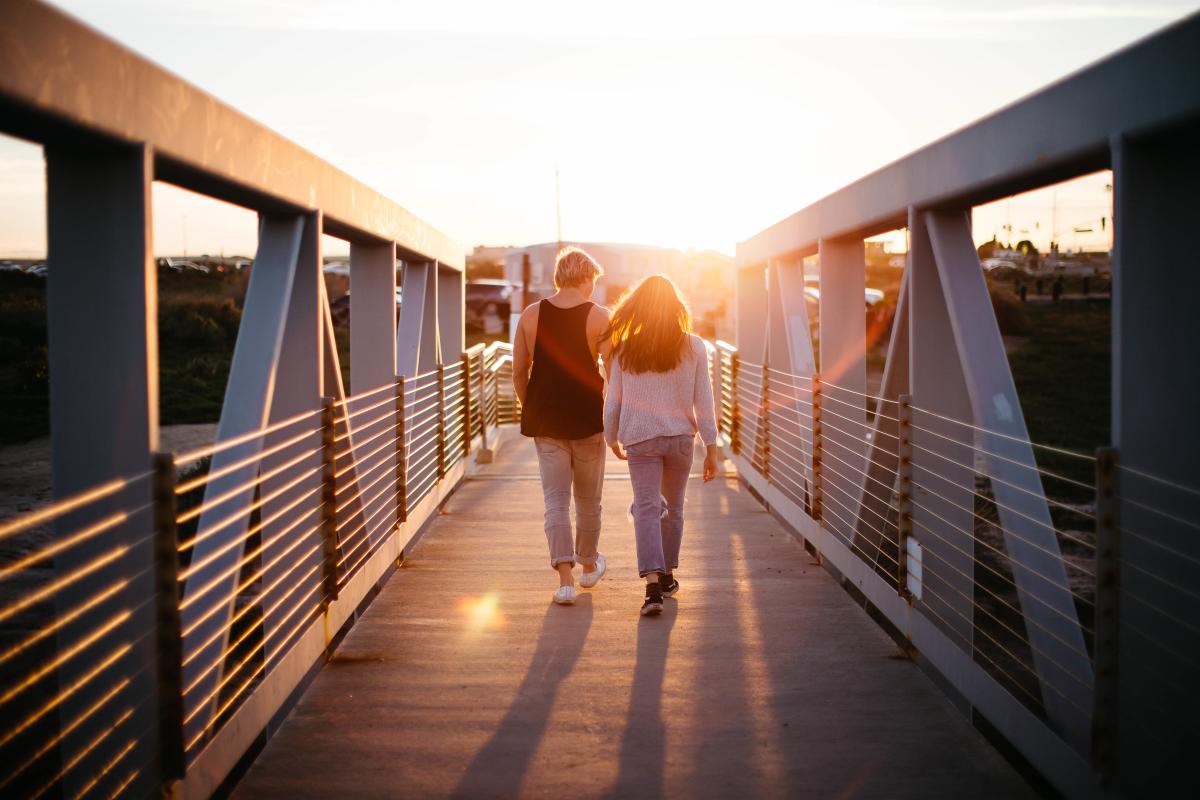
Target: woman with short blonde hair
[
  {"x": 556, "y": 352},
  {"x": 574, "y": 267}
]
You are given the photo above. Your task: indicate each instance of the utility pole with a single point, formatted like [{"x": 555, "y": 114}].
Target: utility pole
[
  {"x": 1054, "y": 223},
  {"x": 526, "y": 276},
  {"x": 557, "y": 209}
]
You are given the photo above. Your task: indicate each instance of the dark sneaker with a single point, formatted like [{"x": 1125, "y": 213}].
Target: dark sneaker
[
  {"x": 653, "y": 604},
  {"x": 668, "y": 584}
]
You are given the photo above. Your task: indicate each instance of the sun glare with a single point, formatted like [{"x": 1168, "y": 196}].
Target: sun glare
[{"x": 482, "y": 613}]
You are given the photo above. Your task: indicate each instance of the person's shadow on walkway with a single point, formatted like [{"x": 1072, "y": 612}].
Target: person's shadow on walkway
[
  {"x": 643, "y": 743},
  {"x": 499, "y": 767}
]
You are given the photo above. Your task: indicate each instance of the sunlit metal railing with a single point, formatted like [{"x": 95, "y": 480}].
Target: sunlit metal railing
[
  {"x": 154, "y": 618},
  {"x": 333, "y": 493},
  {"x": 865, "y": 517},
  {"x": 1050, "y": 590}
]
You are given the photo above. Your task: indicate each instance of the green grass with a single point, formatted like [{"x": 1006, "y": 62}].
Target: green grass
[
  {"x": 1062, "y": 371},
  {"x": 24, "y": 373},
  {"x": 198, "y": 318}
]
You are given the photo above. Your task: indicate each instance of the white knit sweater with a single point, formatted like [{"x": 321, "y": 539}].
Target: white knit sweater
[{"x": 643, "y": 405}]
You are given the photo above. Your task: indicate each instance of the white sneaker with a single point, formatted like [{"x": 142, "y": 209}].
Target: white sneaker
[
  {"x": 565, "y": 596},
  {"x": 589, "y": 579}
]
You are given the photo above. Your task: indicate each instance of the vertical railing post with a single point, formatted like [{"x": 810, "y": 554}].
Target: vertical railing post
[
  {"x": 169, "y": 631},
  {"x": 329, "y": 499},
  {"x": 401, "y": 454},
  {"x": 441, "y": 429},
  {"x": 467, "y": 406},
  {"x": 817, "y": 499},
  {"x": 735, "y": 435},
  {"x": 483, "y": 400},
  {"x": 1108, "y": 585},
  {"x": 904, "y": 498},
  {"x": 764, "y": 418}
]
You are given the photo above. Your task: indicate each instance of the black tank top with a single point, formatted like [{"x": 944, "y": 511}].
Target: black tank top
[{"x": 565, "y": 397}]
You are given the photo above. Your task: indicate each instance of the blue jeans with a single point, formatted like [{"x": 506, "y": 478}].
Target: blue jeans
[
  {"x": 658, "y": 470},
  {"x": 572, "y": 467}
]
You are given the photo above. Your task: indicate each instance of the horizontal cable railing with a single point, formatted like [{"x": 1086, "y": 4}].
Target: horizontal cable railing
[
  {"x": 254, "y": 539},
  {"x": 912, "y": 495},
  {"x": 67, "y": 589}
]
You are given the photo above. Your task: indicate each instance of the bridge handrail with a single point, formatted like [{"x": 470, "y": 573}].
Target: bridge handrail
[
  {"x": 793, "y": 441},
  {"x": 348, "y": 516}
]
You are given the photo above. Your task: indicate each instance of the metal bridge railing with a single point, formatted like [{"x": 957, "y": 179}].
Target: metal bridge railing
[
  {"x": 154, "y": 619},
  {"x": 1052, "y": 591},
  {"x": 892, "y": 515},
  {"x": 264, "y": 546}
]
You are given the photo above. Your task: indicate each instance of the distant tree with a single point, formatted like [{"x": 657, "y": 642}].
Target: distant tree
[
  {"x": 485, "y": 269},
  {"x": 1026, "y": 248},
  {"x": 988, "y": 249}
]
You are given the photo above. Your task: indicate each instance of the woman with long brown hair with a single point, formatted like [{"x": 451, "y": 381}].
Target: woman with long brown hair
[{"x": 659, "y": 397}]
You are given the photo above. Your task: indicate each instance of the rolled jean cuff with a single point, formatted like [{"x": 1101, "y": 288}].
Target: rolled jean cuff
[
  {"x": 644, "y": 573},
  {"x": 588, "y": 560},
  {"x": 554, "y": 562}
]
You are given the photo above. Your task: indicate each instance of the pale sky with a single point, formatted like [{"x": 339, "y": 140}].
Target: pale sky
[{"x": 686, "y": 124}]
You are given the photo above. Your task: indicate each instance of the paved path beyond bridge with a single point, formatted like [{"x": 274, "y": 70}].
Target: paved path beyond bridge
[{"x": 761, "y": 679}]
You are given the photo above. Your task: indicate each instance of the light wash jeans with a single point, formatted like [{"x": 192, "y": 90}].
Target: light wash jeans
[
  {"x": 568, "y": 464},
  {"x": 658, "y": 470}
]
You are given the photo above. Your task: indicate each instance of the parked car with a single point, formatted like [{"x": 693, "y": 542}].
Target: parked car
[
  {"x": 812, "y": 292},
  {"x": 339, "y": 308},
  {"x": 489, "y": 298}
]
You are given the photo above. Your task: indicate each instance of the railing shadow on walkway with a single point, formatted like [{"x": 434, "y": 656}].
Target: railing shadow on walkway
[{"x": 500, "y": 765}]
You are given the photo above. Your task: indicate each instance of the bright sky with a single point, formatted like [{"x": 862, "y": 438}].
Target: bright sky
[{"x": 674, "y": 123}]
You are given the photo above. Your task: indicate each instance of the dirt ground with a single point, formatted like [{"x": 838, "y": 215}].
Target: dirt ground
[
  {"x": 25, "y": 480},
  {"x": 25, "y": 468}
]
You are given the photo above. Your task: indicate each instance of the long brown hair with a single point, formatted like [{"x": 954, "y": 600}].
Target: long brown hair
[{"x": 650, "y": 326}]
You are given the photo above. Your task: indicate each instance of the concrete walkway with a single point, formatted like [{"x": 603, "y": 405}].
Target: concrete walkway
[{"x": 761, "y": 679}]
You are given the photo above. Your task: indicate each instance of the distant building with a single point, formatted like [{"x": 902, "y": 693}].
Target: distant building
[
  {"x": 706, "y": 277},
  {"x": 486, "y": 262}
]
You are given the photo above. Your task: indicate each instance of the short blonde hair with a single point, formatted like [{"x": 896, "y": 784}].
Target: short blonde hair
[{"x": 573, "y": 267}]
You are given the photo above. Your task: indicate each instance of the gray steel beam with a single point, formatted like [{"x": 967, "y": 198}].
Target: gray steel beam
[
  {"x": 843, "y": 345},
  {"x": 417, "y": 330},
  {"x": 1057, "y": 133},
  {"x": 372, "y": 316},
  {"x": 246, "y": 409},
  {"x": 1157, "y": 433},
  {"x": 942, "y": 472},
  {"x": 883, "y": 451},
  {"x": 451, "y": 299},
  {"x": 1059, "y": 654},
  {"x": 67, "y": 82},
  {"x": 291, "y": 501},
  {"x": 102, "y": 326}
]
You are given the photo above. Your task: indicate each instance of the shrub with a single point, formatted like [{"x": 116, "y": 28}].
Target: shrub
[{"x": 1010, "y": 313}]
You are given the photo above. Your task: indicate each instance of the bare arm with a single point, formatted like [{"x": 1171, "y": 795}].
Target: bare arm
[
  {"x": 702, "y": 395},
  {"x": 597, "y": 323},
  {"x": 705, "y": 409},
  {"x": 523, "y": 352}
]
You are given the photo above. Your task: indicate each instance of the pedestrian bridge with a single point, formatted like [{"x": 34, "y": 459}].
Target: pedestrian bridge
[
  {"x": 463, "y": 679},
  {"x": 345, "y": 592}
]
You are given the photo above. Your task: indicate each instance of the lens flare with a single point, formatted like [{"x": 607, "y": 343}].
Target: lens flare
[{"x": 482, "y": 613}]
